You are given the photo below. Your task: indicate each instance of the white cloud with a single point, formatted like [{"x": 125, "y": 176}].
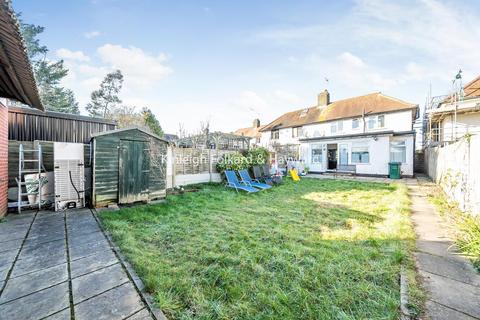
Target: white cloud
[
  {"x": 351, "y": 60},
  {"x": 92, "y": 34},
  {"x": 72, "y": 55},
  {"x": 140, "y": 68}
]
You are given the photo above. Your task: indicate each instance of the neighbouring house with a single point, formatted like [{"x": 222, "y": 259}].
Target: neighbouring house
[
  {"x": 367, "y": 132},
  {"x": 17, "y": 82},
  {"x": 451, "y": 117},
  {"x": 452, "y": 141},
  {"x": 214, "y": 140},
  {"x": 170, "y": 137},
  {"x": 252, "y": 132}
]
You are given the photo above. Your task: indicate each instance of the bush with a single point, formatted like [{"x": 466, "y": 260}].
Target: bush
[
  {"x": 232, "y": 161},
  {"x": 257, "y": 156}
]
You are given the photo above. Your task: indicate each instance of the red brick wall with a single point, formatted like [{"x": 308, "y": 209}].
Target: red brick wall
[{"x": 3, "y": 159}]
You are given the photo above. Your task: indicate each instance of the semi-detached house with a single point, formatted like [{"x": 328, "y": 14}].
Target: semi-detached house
[{"x": 367, "y": 131}]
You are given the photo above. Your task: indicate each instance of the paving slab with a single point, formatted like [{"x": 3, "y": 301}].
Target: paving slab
[
  {"x": 94, "y": 283},
  {"x": 79, "y": 240},
  {"x": 456, "y": 295},
  {"x": 141, "y": 315},
  {"x": 4, "y": 272},
  {"x": 38, "y": 262},
  {"x": 13, "y": 235},
  {"x": 35, "y": 281},
  {"x": 61, "y": 315},
  {"x": 93, "y": 262},
  {"x": 444, "y": 313},
  {"x": 37, "y": 305},
  {"x": 118, "y": 303},
  {"x": 449, "y": 268},
  {"x": 7, "y": 257},
  {"x": 87, "y": 249},
  {"x": 11, "y": 245}
]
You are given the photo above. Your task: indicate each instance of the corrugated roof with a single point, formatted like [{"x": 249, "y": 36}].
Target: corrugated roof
[
  {"x": 346, "y": 108},
  {"x": 16, "y": 75}
]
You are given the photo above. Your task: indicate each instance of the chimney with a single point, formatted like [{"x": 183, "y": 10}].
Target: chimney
[
  {"x": 323, "y": 98},
  {"x": 256, "y": 123}
]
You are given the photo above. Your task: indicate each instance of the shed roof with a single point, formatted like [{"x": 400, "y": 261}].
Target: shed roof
[
  {"x": 60, "y": 115},
  {"x": 128, "y": 129},
  {"x": 346, "y": 108},
  {"x": 16, "y": 75}
]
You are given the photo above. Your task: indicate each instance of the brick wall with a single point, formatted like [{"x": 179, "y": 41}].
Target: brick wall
[{"x": 3, "y": 159}]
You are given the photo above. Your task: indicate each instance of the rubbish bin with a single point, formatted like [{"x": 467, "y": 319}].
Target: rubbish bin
[{"x": 394, "y": 170}]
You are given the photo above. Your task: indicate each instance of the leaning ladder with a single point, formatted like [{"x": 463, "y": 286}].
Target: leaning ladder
[{"x": 22, "y": 170}]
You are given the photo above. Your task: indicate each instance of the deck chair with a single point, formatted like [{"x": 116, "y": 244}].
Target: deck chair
[
  {"x": 232, "y": 182},
  {"x": 275, "y": 179},
  {"x": 245, "y": 176},
  {"x": 259, "y": 175},
  {"x": 294, "y": 175}
]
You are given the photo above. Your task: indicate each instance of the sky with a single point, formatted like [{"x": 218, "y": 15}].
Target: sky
[{"x": 228, "y": 62}]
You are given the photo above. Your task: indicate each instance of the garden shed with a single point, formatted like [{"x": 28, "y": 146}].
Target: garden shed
[{"x": 129, "y": 165}]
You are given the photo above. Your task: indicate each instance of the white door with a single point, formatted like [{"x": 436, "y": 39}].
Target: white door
[
  {"x": 343, "y": 154},
  {"x": 317, "y": 157}
]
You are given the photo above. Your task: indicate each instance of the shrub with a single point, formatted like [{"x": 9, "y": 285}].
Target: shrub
[
  {"x": 257, "y": 156},
  {"x": 232, "y": 161}
]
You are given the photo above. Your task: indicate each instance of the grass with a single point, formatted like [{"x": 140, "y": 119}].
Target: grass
[
  {"x": 317, "y": 249},
  {"x": 465, "y": 227}
]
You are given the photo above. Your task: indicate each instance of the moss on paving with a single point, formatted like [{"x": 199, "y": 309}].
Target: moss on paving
[{"x": 317, "y": 249}]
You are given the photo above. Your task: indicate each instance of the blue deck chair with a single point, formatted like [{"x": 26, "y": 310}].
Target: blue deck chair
[
  {"x": 252, "y": 182},
  {"x": 232, "y": 182}
]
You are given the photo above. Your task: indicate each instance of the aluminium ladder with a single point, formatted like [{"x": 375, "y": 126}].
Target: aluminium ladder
[{"x": 22, "y": 170}]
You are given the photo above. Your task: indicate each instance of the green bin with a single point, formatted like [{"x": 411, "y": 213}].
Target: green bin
[{"x": 394, "y": 170}]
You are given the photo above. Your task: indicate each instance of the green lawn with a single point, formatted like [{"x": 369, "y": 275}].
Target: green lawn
[{"x": 317, "y": 249}]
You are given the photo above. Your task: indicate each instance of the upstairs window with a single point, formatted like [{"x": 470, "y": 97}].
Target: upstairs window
[
  {"x": 333, "y": 127},
  {"x": 375, "y": 122},
  {"x": 275, "y": 134},
  {"x": 355, "y": 123},
  {"x": 297, "y": 132},
  {"x": 340, "y": 126}
]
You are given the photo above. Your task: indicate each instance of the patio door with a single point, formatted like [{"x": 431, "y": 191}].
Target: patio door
[
  {"x": 317, "y": 157},
  {"x": 343, "y": 154}
]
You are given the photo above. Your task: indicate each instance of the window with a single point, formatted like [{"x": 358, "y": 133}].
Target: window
[
  {"x": 374, "y": 122},
  {"x": 355, "y": 123},
  {"x": 398, "y": 151},
  {"x": 343, "y": 155},
  {"x": 317, "y": 155},
  {"x": 340, "y": 126},
  {"x": 257, "y": 140},
  {"x": 333, "y": 127},
  {"x": 381, "y": 121},
  {"x": 275, "y": 134},
  {"x": 360, "y": 154},
  {"x": 297, "y": 132}
]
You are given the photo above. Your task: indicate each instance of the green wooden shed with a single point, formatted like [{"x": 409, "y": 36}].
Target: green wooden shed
[{"x": 129, "y": 165}]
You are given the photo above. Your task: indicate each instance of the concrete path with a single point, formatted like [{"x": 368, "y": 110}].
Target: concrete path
[
  {"x": 61, "y": 266},
  {"x": 452, "y": 285}
]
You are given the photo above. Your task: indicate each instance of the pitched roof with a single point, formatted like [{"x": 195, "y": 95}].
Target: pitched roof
[
  {"x": 472, "y": 89},
  {"x": 346, "y": 108},
  {"x": 252, "y": 132},
  {"x": 16, "y": 76},
  {"x": 104, "y": 133}
]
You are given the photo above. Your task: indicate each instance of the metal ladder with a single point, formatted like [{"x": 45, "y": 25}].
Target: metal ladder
[{"x": 22, "y": 170}]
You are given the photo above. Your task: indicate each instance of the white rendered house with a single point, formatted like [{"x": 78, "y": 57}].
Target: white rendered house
[{"x": 367, "y": 132}]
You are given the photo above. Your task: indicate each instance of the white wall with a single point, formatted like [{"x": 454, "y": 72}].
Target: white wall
[
  {"x": 379, "y": 154},
  {"x": 466, "y": 123},
  {"x": 455, "y": 168}
]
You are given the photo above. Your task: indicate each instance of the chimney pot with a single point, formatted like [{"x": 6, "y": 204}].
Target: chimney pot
[
  {"x": 323, "y": 98},
  {"x": 256, "y": 123}
]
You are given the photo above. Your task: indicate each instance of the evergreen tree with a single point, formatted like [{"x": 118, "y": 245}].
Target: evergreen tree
[
  {"x": 48, "y": 74},
  {"x": 152, "y": 122},
  {"x": 106, "y": 98}
]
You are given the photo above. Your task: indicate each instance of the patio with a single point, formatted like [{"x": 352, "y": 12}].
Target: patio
[{"x": 62, "y": 266}]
